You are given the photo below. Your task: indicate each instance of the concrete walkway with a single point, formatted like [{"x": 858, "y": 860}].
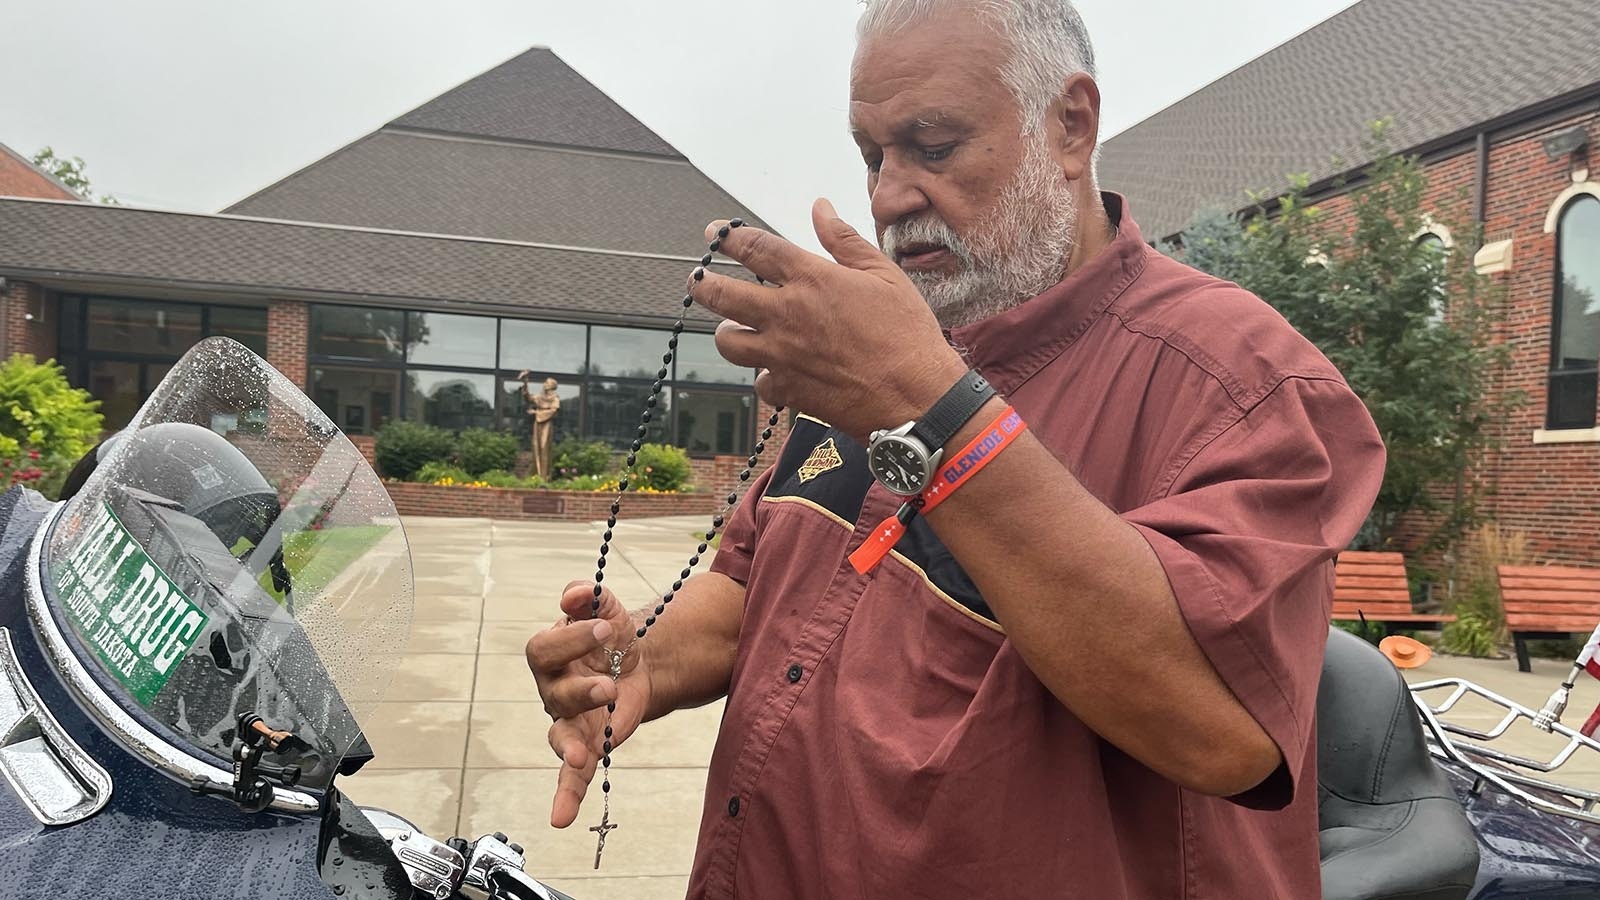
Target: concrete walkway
[{"x": 460, "y": 738}]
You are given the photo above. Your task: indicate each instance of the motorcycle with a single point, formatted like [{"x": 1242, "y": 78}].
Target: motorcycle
[{"x": 192, "y": 638}]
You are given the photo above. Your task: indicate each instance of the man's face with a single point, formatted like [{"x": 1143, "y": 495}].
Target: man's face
[{"x": 976, "y": 212}]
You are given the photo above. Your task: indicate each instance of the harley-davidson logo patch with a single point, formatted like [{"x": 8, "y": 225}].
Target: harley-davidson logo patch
[{"x": 824, "y": 458}]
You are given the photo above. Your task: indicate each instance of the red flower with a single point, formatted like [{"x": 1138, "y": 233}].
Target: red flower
[{"x": 33, "y": 454}]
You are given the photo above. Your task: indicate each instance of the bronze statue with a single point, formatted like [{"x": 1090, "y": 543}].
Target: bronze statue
[{"x": 543, "y": 407}]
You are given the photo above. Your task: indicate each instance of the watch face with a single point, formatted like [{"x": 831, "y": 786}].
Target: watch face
[{"x": 899, "y": 465}]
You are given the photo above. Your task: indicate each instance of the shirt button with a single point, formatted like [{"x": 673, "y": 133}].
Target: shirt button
[
  {"x": 795, "y": 672},
  {"x": 733, "y": 806}
]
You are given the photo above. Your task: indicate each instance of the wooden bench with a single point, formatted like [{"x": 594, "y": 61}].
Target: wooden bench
[
  {"x": 1548, "y": 602},
  {"x": 1372, "y": 585}
]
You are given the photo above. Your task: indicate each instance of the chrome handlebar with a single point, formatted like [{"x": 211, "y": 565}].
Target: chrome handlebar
[{"x": 490, "y": 867}]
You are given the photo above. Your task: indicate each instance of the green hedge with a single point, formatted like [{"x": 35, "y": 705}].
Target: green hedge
[{"x": 404, "y": 447}]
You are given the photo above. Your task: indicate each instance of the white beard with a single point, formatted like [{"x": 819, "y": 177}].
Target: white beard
[{"x": 1015, "y": 252}]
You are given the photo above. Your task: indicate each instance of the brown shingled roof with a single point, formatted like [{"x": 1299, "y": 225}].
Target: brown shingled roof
[
  {"x": 1438, "y": 67},
  {"x": 67, "y": 243}
]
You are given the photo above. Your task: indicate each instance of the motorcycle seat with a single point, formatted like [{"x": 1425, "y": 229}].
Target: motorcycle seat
[{"x": 1390, "y": 825}]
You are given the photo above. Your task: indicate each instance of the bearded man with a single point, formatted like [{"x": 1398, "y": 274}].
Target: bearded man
[{"x": 1093, "y": 671}]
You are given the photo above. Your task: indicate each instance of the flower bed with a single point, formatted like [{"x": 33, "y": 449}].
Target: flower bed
[{"x": 415, "y": 499}]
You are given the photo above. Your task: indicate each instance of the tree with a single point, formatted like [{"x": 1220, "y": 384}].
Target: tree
[
  {"x": 1367, "y": 295},
  {"x": 70, "y": 173}
]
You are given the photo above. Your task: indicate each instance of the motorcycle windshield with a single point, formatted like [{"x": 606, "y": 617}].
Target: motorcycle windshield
[{"x": 234, "y": 553}]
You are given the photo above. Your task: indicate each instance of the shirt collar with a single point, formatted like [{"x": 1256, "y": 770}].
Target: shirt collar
[{"x": 1010, "y": 347}]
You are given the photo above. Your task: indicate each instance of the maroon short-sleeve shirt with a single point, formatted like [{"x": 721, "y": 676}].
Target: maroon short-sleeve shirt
[{"x": 882, "y": 737}]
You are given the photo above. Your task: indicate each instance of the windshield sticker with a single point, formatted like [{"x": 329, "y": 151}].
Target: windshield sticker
[{"x": 136, "y": 620}]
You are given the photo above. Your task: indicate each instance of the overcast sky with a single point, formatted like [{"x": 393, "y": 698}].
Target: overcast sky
[{"x": 194, "y": 104}]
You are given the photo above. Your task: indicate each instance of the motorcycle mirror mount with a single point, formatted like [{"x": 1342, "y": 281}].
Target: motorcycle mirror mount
[{"x": 250, "y": 789}]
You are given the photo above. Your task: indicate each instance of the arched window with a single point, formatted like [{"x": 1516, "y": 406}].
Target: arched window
[
  {"x": 1575, "y": 316},
  {"x": 1435, "y": 239}
]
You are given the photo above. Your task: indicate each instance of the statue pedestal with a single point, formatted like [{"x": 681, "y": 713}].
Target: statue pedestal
[{"x": 524, "y": 466}]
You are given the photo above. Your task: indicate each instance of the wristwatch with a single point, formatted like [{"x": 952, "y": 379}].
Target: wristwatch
[{"x": 904, "y": 459}]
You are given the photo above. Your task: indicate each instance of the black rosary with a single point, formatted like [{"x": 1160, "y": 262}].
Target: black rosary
[{"x": 616, "y": 656}]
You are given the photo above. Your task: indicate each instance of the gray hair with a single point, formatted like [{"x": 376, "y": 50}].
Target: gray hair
[{"x": 1049, "y": 43}]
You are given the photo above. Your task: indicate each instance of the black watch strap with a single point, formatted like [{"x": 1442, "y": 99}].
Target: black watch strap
[{"x": 960, "y": 403}]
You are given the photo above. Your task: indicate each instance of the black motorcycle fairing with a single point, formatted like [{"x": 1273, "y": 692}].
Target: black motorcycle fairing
[
  {"x": 154, "y": 836},
  {"x": 1390, "y": 824},
  {"x": 355, "y": 860}
]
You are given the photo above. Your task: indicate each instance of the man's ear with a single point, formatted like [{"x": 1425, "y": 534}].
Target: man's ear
[{"x": 1072, "y": 125}]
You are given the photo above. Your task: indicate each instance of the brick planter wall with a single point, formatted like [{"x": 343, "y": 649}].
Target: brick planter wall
[{"x": 563, "y": 506}]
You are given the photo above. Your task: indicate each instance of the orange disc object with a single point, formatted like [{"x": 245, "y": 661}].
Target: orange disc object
[{"x": 1404, "y": 652}]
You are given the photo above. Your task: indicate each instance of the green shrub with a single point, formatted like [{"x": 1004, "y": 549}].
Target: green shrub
[
  {"x": 46, "y": 424},
  {"x": 571, "y": 458},
  {"x": 500, "y": 478},
  {"x": 478, "y": 450},
  {"x": 585, "y": 483},
  {"x": 1471, "y": 634},
  {"x": 661, "y": 467},
  {"x": 404, "y": 447},
  {"x": 434, "y": 472}
]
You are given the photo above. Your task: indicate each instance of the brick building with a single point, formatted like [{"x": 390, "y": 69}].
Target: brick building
[
  {"x": 1506, "y": 119},
  {"x": 19, "y": 177},
  {"x": 520, "y": 221}
]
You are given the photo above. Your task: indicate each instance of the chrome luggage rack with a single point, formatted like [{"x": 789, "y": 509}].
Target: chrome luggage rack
[{"x": 1507, "y": 771}]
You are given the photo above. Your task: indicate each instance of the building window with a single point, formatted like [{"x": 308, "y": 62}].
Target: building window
[
  {"x": 457, "y": 371},
  {"x": 359, "y": 401},
  {"x": 1435, "y": 241},
  {"x": 355, "y": 333},
  {"x": 436, "y": 339},
  {"x": 119, "y": 348},
  {"x": 1575, "y": 317}
]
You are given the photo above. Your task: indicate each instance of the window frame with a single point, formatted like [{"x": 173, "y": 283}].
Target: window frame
[{"x": 1554, "y": 371}]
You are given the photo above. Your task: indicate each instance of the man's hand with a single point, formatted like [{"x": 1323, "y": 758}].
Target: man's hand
[
  {"x": 573, "y": 669},
  {"x": 851, "y": 341}
]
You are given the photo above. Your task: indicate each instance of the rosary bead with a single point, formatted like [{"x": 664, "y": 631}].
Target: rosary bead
[
  {"x": 700, "y": 273},
  {"x": 667, "y": 597},
  {"x": 677, "y": 586},
  {"x": 745, "y": 475},
  {"x": 760, "y": 446},
  {"x": 607, "y": 538},
  {"x": 607, "y": 747},
  {"x": 772, "y": 420},
  {"x": 604, "y": 549},
  {"x": 649, "y": 620},
  {"x": 651, "y": 402},
  {"x": 597, "y": 590},
  {"x": 645, "y": 417},
  {"x": 632, "y": 457},
  {"x": 657, "y": 386},
  {"x": 612, "y": 706},
  {"x": 611, "y": 522},
  {"x": 601, "y": 562},
  {"x": 716, "y": 245},
  {"x": 606, "y": 786},
  {"x": 710, "y": 535},
  {"x": 608, "y": 731},
  {"x": 705, "y": 260},
  {"x": 716, "y": 523},
  {"x": 672, "y": 343},
  {"x": 723, "y": 231},
  {"x": 688, "y": 302},
  {"x": 599, "y": 576},
  {"x": 736, "y": 222},
  {"x": 616, "y": 508},
  {"x": 639, "y": 633},
  {"x": 666, "y": 360},
  {"x": 752, "y": 462},
  {"x": 684, "y": 574},
  {"x": 732, "y": 498},
  {"x": 661, "y": 374},
  {"x": 622, "y": 485},
  {"x": 694, "y": 560},
  {"x": 702, "y": 548},
  {"x": 606, "y": 760},
  {"x": 766, "y": 435},
  {"x": 660, "y": 608}
]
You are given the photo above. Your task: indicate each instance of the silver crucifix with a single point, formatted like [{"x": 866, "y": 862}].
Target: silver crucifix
[{"x": 605, "y": 825}]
